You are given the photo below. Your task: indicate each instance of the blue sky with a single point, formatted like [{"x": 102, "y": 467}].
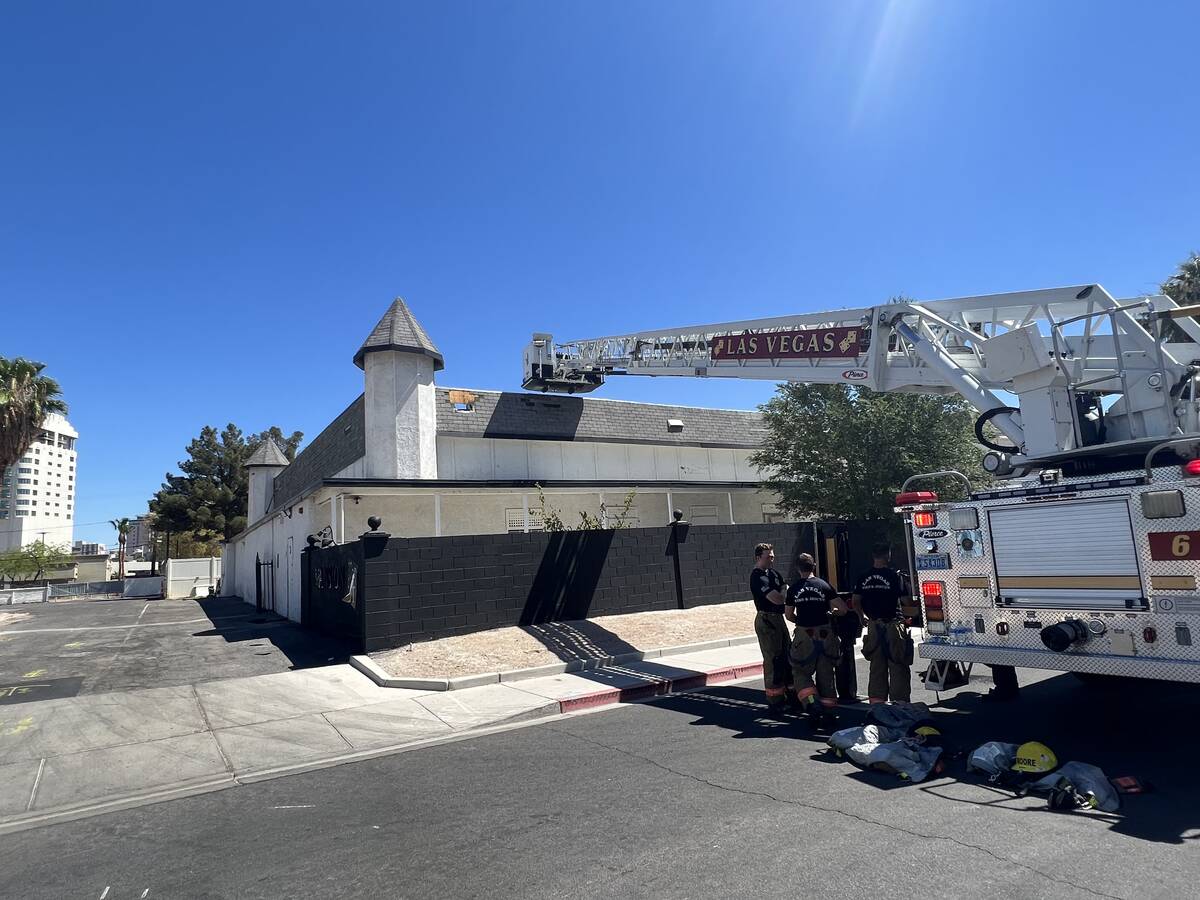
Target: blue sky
[{"x": 205, "y": 207}]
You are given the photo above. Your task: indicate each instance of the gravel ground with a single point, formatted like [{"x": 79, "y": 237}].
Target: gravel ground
[{"x": 521, "y": 647}]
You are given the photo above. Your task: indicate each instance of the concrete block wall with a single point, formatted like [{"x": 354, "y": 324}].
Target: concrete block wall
[{"x": 423, "y": 588}]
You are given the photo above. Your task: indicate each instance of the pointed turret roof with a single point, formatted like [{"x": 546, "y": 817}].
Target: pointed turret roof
[
  {"x": 267, "y": 454},
  {"x": 399, "y": 330}
]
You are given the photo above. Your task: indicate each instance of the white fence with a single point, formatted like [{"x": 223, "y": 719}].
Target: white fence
[
  {"x": 10, "y": 596},
  {"x": 191, "y": 577}
]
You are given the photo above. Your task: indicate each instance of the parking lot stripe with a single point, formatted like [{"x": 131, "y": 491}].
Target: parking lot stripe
[
  {"x": 101, "y": 627},
  {"x": 36, "y": 782}
]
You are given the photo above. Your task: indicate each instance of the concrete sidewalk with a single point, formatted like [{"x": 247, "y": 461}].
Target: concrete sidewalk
[{"x": 69, "y": 758}]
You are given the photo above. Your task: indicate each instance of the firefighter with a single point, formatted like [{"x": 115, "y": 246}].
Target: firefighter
[
  {"x": 1006, "y": 686},
  {"x": 767, "y": 588},
  {"x": 815, "y": 644},
  {"x": 886, "y": 643},
  {"x": 848, "y": 626}
]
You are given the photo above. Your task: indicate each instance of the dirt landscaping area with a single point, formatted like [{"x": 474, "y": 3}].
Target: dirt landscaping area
[{"x": 525, "y": 646}]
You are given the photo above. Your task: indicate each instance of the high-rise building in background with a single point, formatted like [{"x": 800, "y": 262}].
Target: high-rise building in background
[
  {"x": 37, "y": 495},
  {"x": 137, "y": 542}
]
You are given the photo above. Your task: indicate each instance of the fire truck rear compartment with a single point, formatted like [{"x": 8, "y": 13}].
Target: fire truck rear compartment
[{"x": 1078, "y": 555}]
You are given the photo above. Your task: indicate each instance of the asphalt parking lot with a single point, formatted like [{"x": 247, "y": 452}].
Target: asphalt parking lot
[{"x": 52, "y": 650}]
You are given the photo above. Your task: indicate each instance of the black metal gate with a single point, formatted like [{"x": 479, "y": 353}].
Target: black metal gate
[
  {"x": 331, "y": 592},
  {"x": 264, "y": 584}
]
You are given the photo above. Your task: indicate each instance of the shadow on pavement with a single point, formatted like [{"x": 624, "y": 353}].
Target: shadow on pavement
[
  {"x": 1147, "y": 730},
  {"x": 239, "y": 622},
  {"x": 581, "y": 640}
]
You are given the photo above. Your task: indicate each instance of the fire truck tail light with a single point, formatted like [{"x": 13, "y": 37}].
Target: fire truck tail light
[
  {"x": 934, "y": 615},
  {"x": 1191, "y": 467},
  {"x": 911, "y": 498},
  {"x": 1150, "y": 635},
  {"x": 924, "y": 519}
]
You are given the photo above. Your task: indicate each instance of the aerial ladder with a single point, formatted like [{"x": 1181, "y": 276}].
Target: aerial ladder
[{"x": 1070, "y": 384}]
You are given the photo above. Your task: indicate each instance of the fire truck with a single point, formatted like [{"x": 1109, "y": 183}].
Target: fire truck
[{"x": 1082, "y": 552}]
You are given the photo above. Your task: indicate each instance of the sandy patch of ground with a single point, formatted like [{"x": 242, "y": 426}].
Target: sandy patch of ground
[
  {"x": 521, "y": 647},
  {"x": 11, "y": 618}
]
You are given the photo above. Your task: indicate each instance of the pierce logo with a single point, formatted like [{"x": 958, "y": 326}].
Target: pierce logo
[{"x": 854, "y": 374}]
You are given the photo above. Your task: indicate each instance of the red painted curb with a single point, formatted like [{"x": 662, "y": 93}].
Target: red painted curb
[{"x": 613, "y": 696}]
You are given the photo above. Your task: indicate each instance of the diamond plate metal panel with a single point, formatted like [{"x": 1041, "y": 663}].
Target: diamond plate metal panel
[{"x": 1174, "y": 614}]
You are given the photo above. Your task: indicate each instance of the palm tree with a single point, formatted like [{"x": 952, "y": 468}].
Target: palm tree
[
  {"x": 26, "y": 398},
  {"x": 1184, "y": 286},
  {"x": 122, "y": 526}
]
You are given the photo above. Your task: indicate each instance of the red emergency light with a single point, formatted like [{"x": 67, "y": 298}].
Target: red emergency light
[
  {"x": 932, "y": 592},
  {"x": 924, "y": 519},
  {"x": 1191, "y": 467},
  {"x": 912, "y": 498}
]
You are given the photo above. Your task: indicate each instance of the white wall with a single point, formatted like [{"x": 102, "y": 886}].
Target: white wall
[
  {"x": 400, "y": 415},
  {"x": 280, "y": 540},
  {"x": 482, "y": 459},
  {"x": 191, "y": 577}
]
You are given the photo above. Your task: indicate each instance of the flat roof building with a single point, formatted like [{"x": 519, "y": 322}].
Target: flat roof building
[{"x": 37, "y": 494}]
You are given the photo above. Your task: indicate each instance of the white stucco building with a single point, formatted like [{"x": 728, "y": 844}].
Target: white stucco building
[
  {"x": 434, "y": 461},
  {"x": 37, "y": 495}
]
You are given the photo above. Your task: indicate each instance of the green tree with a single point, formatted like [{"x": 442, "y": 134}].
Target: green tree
[
  {"x": 26, "y": 398},
  {"x": 1184, "y": 286},
  {"x": 842, "y": 453},
  {"x": 33, "y": 561},
  {"x": 122, "y": 527},
  {"x": 208, "y": 500}
]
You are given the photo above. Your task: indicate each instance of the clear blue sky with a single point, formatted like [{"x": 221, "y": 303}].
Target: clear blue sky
[{"x": 205, "y": 207}]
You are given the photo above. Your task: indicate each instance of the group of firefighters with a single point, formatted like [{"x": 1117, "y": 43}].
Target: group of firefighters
[{"x": 811, "y": 668}]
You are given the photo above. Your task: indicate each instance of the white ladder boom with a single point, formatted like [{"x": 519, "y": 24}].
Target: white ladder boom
[{"x": 1086, "y": 369}]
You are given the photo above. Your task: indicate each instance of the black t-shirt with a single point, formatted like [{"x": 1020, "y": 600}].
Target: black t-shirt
[
  {"x": 762, "y": 582},
  {"x": 810, "y": 596},
  {"x": 881, "y": 590}
]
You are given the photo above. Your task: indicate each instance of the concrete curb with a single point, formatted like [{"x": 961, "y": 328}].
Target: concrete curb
[
  {"x": 375, "y": 672},
  {"x": 611, "y": 696},
  {"x": 549, "y": 710},
  {"x": 116, "y": 802}
]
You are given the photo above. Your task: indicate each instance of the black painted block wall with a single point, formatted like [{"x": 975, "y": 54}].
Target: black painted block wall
[{"x": 421, "y": 588}]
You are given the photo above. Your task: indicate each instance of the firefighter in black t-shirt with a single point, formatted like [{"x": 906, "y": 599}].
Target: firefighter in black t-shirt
[
  {"x": 815, "y": 645},
  {"x": 886, "y": 643},
  {"x": 767, "y": 588}
]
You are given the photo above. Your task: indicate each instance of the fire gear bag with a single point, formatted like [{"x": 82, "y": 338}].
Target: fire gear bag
[{"x": 888, "y": 750}]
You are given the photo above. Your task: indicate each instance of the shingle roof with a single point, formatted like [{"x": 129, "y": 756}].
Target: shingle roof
[
  {"x": 533, "y": 416},
  {"x": 528, "y": 416},
  {"x": 267, "y": 454},
  {"x": 399, "y": 330},
  {"x": 341, "y": 443}
]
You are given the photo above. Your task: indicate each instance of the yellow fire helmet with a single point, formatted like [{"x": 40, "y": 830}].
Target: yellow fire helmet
[
  {"x": 927, "y": 731},
  {"x": 1035, "y": 758}
]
